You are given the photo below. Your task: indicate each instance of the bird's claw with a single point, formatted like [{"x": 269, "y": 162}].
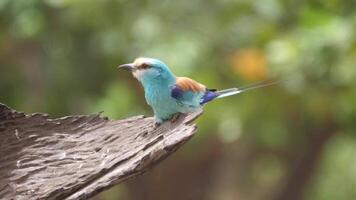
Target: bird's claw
[
  {"x": 157, "y": 124},
  {"x": 174, "y": 118}
]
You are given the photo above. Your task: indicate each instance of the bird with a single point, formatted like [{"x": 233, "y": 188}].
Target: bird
[{"x": 170, "y": 96}]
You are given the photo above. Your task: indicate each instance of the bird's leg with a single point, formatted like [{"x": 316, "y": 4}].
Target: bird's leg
[{"x": 174, "y": 117}]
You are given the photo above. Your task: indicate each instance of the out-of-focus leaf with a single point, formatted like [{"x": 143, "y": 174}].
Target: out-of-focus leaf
[{"x": 249, "y": 63}]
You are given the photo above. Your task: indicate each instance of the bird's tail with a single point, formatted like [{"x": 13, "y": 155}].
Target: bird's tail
[{"x": 233, "y": 91}]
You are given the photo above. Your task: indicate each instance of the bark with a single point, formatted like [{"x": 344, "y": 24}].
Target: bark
[{"x": 76, "y": 157}]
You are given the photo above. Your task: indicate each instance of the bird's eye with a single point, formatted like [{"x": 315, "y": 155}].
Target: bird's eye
[{"x": 144, "y": 66}]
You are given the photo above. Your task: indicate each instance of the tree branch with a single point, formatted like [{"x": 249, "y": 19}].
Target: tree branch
[{"x": 76, "y": 157}]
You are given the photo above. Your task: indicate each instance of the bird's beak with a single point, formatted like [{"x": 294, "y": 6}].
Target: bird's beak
[{"x": 128, "y": 67}]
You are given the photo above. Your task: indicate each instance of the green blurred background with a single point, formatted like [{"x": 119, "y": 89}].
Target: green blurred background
[{"x": 286, "y": 142}]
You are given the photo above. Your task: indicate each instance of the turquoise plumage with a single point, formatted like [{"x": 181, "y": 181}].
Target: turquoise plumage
[{"x": 169, "y": 95}]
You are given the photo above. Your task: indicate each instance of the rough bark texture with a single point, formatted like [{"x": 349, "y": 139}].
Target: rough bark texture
[{"x": 76, "y": 157}]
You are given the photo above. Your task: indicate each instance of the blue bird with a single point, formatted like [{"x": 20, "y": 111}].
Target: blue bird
[{"x": 168, "y": 95}]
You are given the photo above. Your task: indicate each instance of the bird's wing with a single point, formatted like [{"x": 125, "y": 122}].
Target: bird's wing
[
  {"x": 187, "y": 92},
  {"x": 187, "y": 84},
  {"x": 190, "y": 93}
]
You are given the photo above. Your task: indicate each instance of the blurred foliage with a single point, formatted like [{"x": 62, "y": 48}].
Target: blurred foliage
[{"x": 60, "y": 57}]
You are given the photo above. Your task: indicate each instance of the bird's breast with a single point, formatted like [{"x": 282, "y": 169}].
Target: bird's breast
[{"x": 157, "y": 95}]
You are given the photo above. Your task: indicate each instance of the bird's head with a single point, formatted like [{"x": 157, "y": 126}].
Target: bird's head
[{"x": 148, "y": 70}]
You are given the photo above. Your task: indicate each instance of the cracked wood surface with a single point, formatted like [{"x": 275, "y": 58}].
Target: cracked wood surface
[{"x": 76, "y": 157}]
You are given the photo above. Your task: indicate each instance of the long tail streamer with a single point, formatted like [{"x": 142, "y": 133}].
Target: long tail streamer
[{"x": 233, "y": 91}]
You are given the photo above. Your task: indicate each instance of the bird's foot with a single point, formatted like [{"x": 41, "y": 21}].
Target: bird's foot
[
  {"x": 175, "y": 117},
  {"x": 157, "y": 124}
]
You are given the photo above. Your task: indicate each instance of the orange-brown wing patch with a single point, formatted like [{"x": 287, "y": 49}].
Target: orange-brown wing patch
[{"x": 186, "y": 84}]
